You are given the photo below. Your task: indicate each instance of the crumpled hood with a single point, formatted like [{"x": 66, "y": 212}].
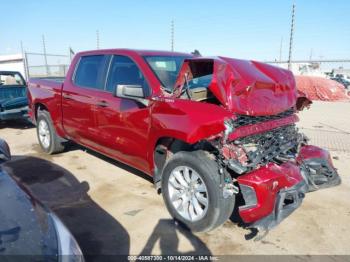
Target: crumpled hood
[{"x": 242, "y": 86}]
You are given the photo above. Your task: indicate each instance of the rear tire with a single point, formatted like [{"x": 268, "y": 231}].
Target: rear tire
[
  {"x": 49, "y": 141},
  {"x": 178, "y": 198}
]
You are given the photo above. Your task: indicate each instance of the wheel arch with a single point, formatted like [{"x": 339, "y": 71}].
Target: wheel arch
[
  {"x": 55, "y": 115},
  {"x": 39, "y": 106},
  {"x": 165, "y": 147}
]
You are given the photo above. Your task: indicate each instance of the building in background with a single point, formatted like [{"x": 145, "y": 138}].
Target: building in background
[
  {"x": 13, "y": 62},
  {"x": 32, "y": 65},
  {"x": 304, "y": 68}
]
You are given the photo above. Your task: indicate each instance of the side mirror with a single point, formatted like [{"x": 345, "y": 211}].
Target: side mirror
[
  {"x": 129, "y": 91},
  {"x": 5, "y": 153},
  {"x": 134, "y": 92}
]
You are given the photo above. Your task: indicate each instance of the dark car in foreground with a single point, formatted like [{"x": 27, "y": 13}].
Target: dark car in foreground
[
  {"x": 13, "y": 96},
  {"x": 28, "y": 230}
]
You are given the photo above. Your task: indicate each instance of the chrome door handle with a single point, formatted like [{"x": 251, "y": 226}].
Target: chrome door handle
[
  {"x": 67, "y": 96},
  {"x": 102, "y": 103}
]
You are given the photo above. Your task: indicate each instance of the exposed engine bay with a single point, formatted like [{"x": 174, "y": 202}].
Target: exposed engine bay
[{"x": 278, "y": 145}]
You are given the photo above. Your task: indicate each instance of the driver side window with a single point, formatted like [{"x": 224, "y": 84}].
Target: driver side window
[{"x": 124, "y": 71}]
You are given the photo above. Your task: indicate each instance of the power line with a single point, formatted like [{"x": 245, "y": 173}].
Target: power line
[
  {"x": 281, "y": 45},
  {"x": 291, "y": 38},
  {"x": 24, "y": 57},
  {"x": 347, "y": 60},
  {"x": 97, "y": 39},
  {"x": 311, "y": 53},
  {"x": 172, "y": 35},
  {"x": 45, "y": 56}
]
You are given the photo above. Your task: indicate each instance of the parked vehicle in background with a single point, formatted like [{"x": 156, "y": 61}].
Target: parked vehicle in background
[
  {"x": 13, "y": 96},
  {"x": 343, "y": 81},
  {"x": 205, "y": 129},
  {"x": 344, "y": 76},
  {"x": 27, "y": 227}
]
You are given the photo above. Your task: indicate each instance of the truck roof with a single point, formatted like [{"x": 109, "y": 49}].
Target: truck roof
[{"x": 134, "y": 52}]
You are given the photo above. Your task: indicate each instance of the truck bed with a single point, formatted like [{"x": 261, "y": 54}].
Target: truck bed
[
  {"x": 55, "y": 79},
  {"x": 47, "y": 88}
]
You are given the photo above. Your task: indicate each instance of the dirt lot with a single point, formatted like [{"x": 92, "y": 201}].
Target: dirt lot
[{"x": 113, "y": 209}]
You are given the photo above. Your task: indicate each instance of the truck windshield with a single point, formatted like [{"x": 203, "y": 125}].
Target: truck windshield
[
  {"x": 11, "y": 79},
  {"x": 166, "y": 68}
]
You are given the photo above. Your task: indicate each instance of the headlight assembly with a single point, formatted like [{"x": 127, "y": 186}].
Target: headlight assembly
[{"x": 228, "y": 128}]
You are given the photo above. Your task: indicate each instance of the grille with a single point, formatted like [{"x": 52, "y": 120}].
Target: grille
[
  {"x": 244, "y": 120},
  {"x": 278, "y": 144}
]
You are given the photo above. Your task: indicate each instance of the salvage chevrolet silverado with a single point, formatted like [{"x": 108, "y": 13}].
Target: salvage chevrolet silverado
[{"x": 206, "y": 129}]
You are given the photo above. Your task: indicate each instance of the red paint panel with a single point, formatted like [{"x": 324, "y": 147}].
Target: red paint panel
[
  {"x": 309, "y": 152},
  {"x": 267, "y": 181}
]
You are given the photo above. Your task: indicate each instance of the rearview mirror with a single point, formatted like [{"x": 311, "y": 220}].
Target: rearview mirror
[
  {"x": 5, "y": 153},
  {"x": 129, "y": 91}
]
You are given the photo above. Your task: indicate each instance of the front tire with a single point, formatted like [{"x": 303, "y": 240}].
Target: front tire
[
  {"x": 49, "y": 141},
  {"x": 192, "y": 193}
]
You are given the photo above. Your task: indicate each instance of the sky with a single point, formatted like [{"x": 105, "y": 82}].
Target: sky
[{"x": 242, "y": 29}]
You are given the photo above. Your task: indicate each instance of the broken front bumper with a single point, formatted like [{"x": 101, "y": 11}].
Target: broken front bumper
[
  {"x": 287, "y": 201},
  {"x": 273, "y": 192},
  {"x": 317, "y": 168}
]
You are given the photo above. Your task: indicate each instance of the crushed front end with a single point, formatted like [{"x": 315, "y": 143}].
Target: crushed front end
[
  {"x": 273, "y": 166},
  {"x": 270, "y": 162}
]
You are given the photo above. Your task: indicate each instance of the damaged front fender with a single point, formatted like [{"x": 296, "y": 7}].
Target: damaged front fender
[{"x": 187, "y": 120}]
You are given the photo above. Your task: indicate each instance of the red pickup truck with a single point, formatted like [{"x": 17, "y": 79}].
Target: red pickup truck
[{"x": 209, "y": 131}]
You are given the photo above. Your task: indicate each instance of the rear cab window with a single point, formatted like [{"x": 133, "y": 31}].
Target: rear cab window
[
  {"x": 91, "y": 71},
  {"x": 11, "y": 79}
]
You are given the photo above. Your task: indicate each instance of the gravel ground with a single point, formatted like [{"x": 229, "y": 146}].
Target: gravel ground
[{"x": 113, "y": 209}]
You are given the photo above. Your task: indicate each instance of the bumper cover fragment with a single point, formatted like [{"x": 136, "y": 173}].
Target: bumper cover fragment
[
  {"x": 287, "y": 201},
  {"x": 317, "y": 168}
]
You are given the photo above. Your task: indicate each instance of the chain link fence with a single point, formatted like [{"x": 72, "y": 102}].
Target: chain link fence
[
  {"x": 41, "y": 65},
  {"x": 324, "y": 68}
]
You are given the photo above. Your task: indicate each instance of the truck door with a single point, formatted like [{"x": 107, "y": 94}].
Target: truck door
[
  {"x": 122, "y": 124},
  {"x": 79, "y": 98}
]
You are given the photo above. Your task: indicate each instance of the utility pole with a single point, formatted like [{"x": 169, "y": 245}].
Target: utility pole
[
  {"x": 281, "y": 45},
  {"x": 71, "y": 53},
  {"x": 172, "y": 35},
  {"x": 310, "y": 57},
  {"x": 291, "y": 39},
  {"x": 24, "y": 57},
  {"x": 45, "y": 56},
  {"x": 97, "y": 39}
]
